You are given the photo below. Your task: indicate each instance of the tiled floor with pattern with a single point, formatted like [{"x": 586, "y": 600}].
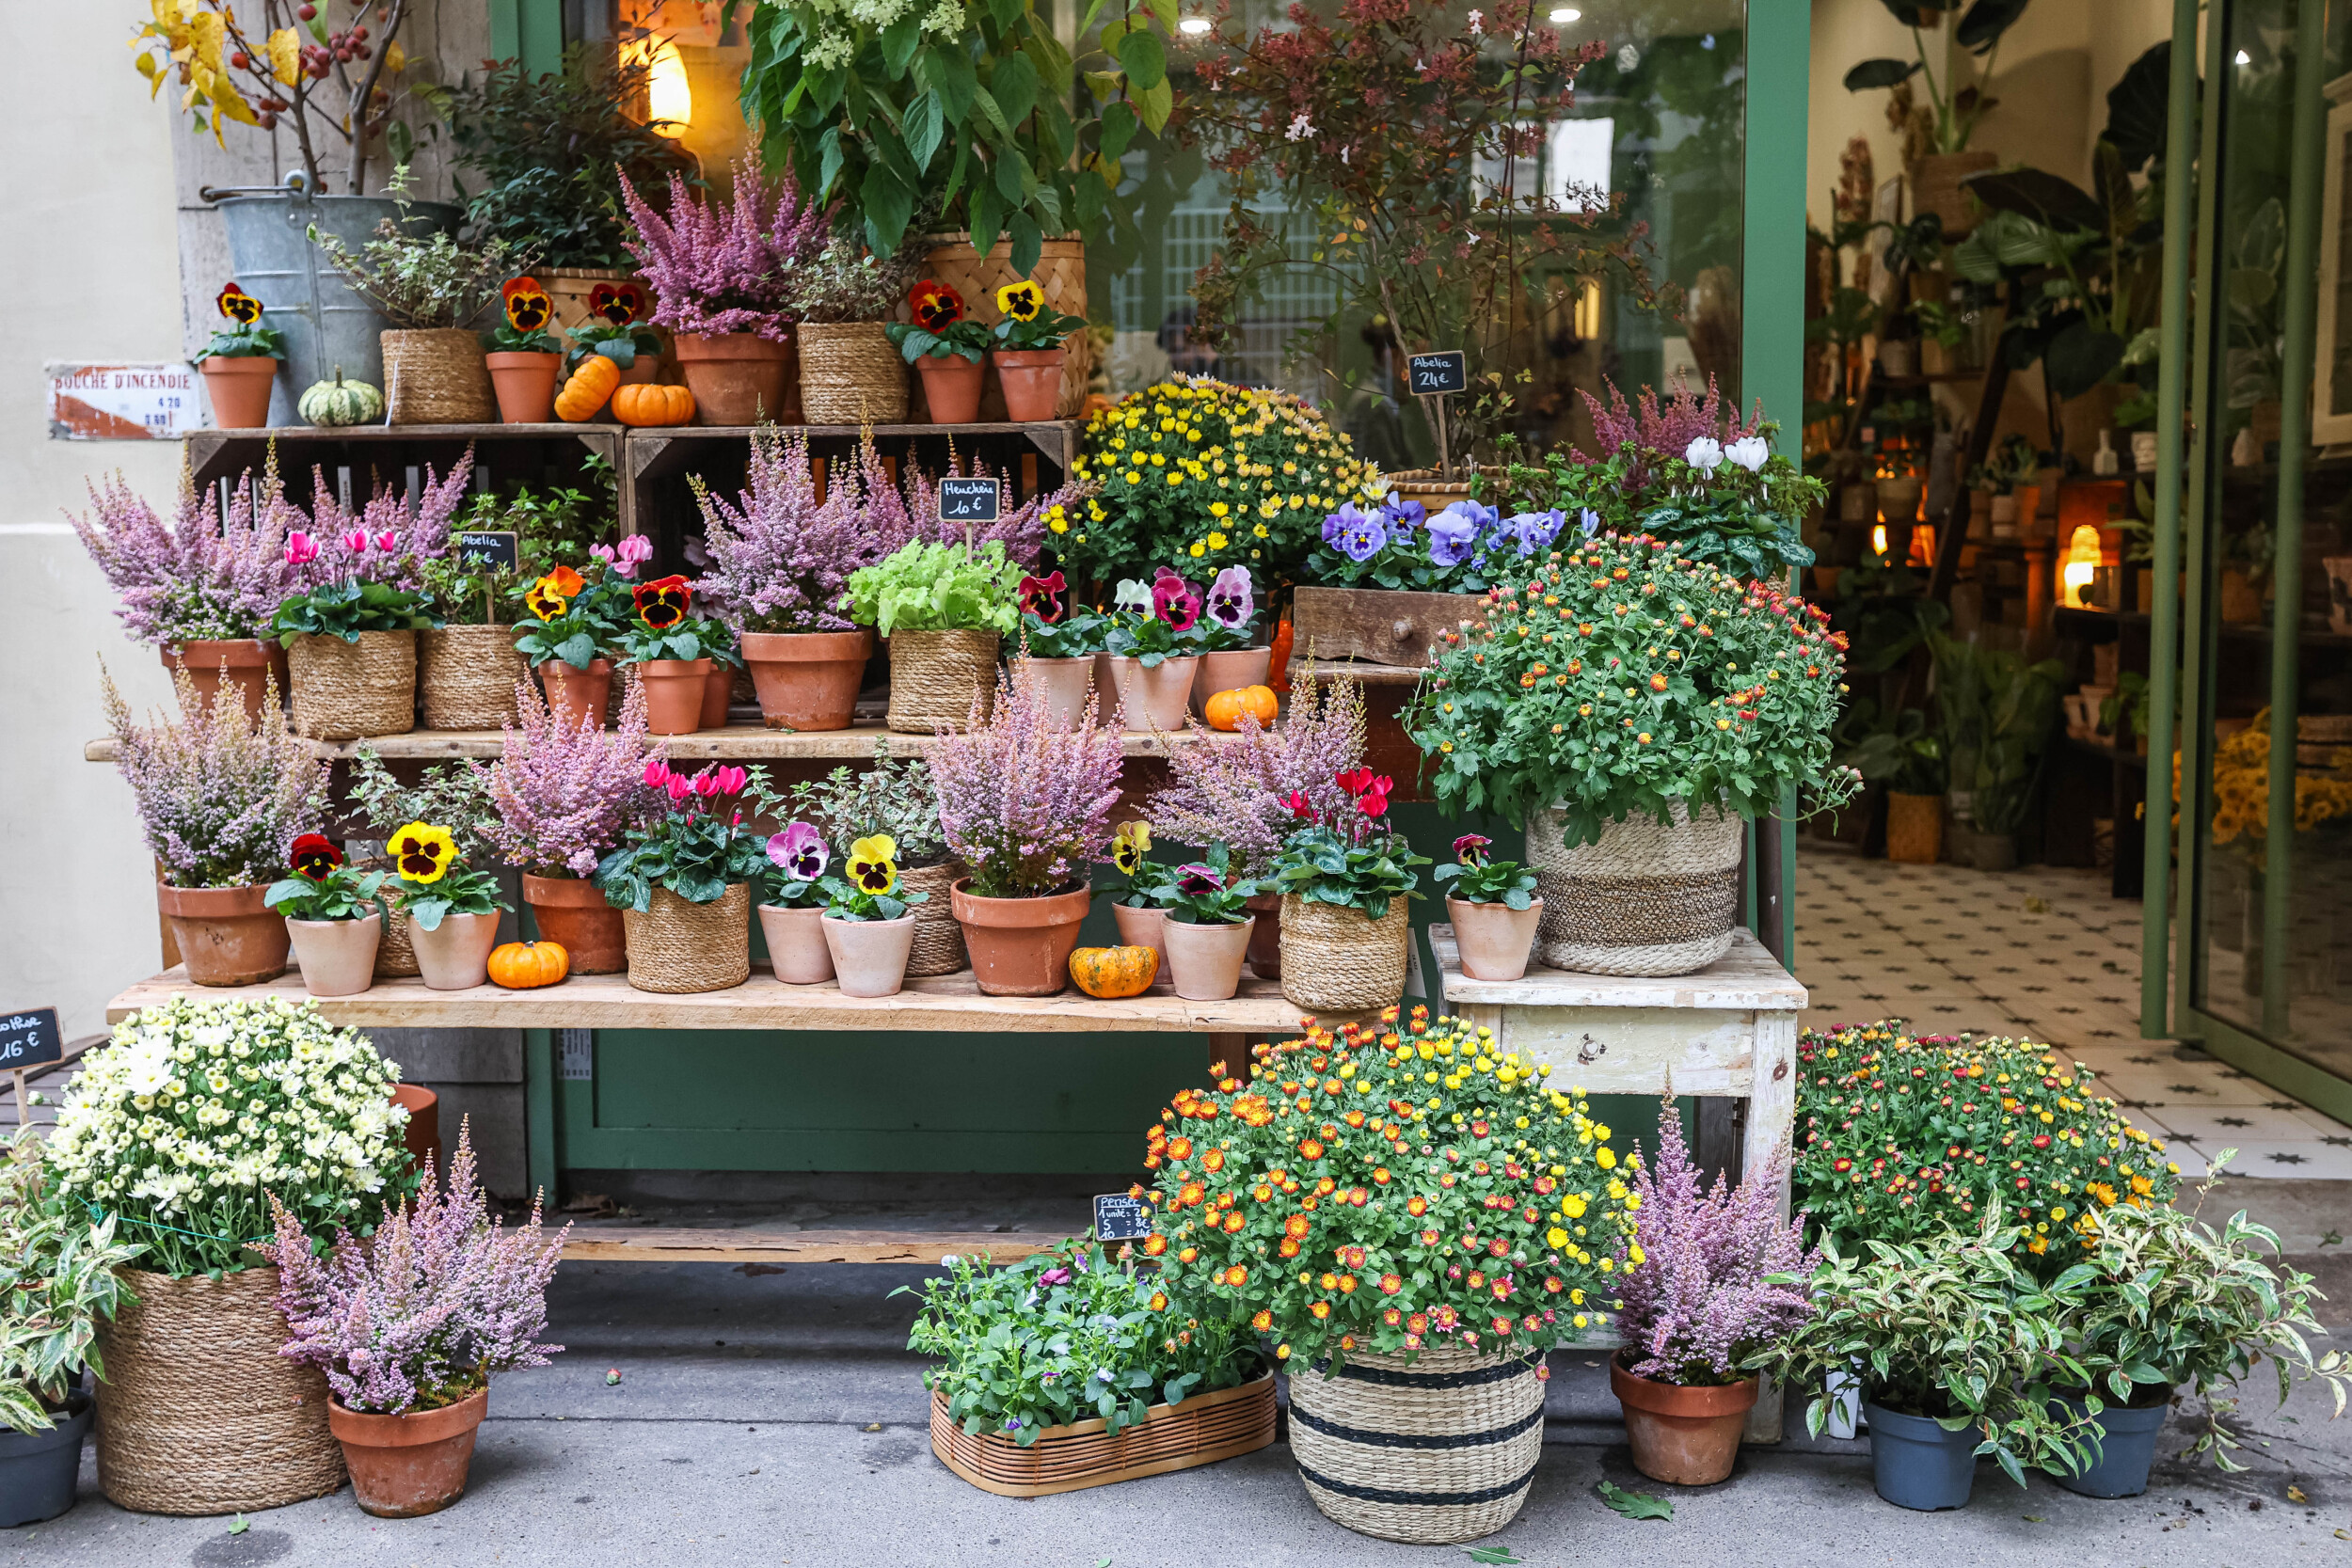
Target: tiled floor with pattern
[{"x": 2044, "y": 952}]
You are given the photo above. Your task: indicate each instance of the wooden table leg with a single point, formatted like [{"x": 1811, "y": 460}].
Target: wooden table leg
[
  {"x": 1232, "y": 1051},
  {"x": 1771, "y": 1124}
]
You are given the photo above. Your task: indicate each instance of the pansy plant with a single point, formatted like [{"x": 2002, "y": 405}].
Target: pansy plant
[
  {"x": 1028, "y": 322},
  {"x": 869, "y": 890},
  {"x": 798, "y": 858},
  {"x": 1053, "y": 628},
  {"x": 244, "y": 336},
  {"x": 1207, "y": 893},
  {"x": 324, "y": 885},
  {"x": 664, "y": 629},
  {"x": 1462, "y": 548},
  {"x": 615, "y": 327},
  {"x": 1229, "y": 614},
  {"x": 1140, "y": 876},
  {"x": 1479, "y": 878},
  {"x": 434, "y": 884},
  {"x": 1156, "y": 621},
  {"x": 528, "y": 313},
  {"x": 940, "y": 328}
]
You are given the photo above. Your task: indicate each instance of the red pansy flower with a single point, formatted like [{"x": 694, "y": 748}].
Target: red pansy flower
[
  {"x": 237, "y": 305},
  {"x": 937, "y": 306},
  {"x": 528, "y": 308},
  {"x": 1041, "y": 597},
  {"x": 661, "y": 603},
  {"x": 314, "y": 856}
]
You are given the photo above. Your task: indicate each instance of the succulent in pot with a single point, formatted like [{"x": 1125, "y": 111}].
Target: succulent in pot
[
  {"x": 868, "y": 920},
  {"x": 682, "y": 879},
  {"x": 451, "y": 909},
  {"x": 1494, "y": 907},
  {"x": 1206, "y": 925},
  {"x": 239, "y": 364},
  {"x": 336, "y": 914}
]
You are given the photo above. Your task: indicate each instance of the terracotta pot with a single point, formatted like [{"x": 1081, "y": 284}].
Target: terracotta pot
[
  {"x": 352, "y": 690},
  {"x": 572, "y": 913},
  {"x": 525, "y": 384},
  {"x": 738, "y": 378},
  {"x": 422, "y": 1137},
  {"x": 1265, "y": 938},
  {"x": 1204, "y": 961},
  {"x": 225, "y": 935},
  {"x": 796, "y": 947},
  {"x": 1059, "y": 271},
  {"x": 673, "y": 694},
  {"x": 1066, "y": 681},
  {"x": 456, "y": 954},
  {"x": 239, "y": 387},
  {"x": 251, "y": 665},
  {"x": 1139, "y": 925},
  {"x": 951, "y": 389},
  {"x": 1494, "y": 940},
  {"x": 1106, "y": 691},
  {"x": 337, "y": 956},
  {"x": 1154, "y": 699},
  {"x": 1915, "y": 828},
  {"x": 1682, "y": 1436},
  {"x": 870, "y": 957},
  {"x": 1031, "y": 381},
  {"x": 405, "y": 1465},
  {"x": 1228, "y": 672},
  {"x": 716, "y": 687},
  {"x": 1020, "y": 946},
  {"x": 808, "y": 680},
  {"x": 573, "y": 695}
]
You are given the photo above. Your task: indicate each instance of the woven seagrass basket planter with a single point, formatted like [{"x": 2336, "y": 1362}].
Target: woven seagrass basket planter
[
  {"x": 199, "y": 1413},
  {"x": 395, "y": 953},
  {"x": 1201, "y": 1430},
  {"x": 437, "y": 376},
  {"x": 348, "y": 691},
  {"x": 935, "y": 678},
  {"x": 1335, "y": 960},
  {"x": 1433, "y": 1452},
  {"x": 938, "y": 935},
  {"x": 468, "y": 676},
  {"x": 849, "y": 374},
  {"x": 676, "y": 947},
  {"x": 1650, "y": 897}
]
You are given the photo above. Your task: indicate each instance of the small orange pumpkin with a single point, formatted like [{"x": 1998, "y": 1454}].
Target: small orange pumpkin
[
  {"x": 649, "y": 403},
  {"x": 588, "y": 388},
  {"x": 1226, "y": 708},
  {"x": 1114, "y": 972},
  {"x": 528, "y": 965}
]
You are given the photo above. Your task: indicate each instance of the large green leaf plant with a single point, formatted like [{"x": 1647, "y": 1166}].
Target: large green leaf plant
[{"x": 57, "y": 1280}]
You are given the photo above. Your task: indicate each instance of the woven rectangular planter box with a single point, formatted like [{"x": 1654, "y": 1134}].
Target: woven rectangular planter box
[{"x": 1200, "y": 1431}]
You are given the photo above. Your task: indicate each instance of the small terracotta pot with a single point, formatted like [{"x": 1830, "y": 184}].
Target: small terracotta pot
[
  {"x": 338, "y": 957},
  {"x": 673, "y": 694},
  {"x": 870, "y": 957},
  {"x": 251, "y": 665},
  {"x": 1066, "y": 683},
  {"x": 1154, "y": 699},
  {"x": 738, "y": 378},
  {"x": 796, "y": 947},
  {"x": 951, "y": 389},
  {"x": 225, "y": 935},
  {"x": 525, "y": 384},
  {"x": 1139, "y": 925},
  {"x": 1265, "y": 938},
  {"x": 808, "y": 680},
  {"x": 1228, "y": 672},
  {"x": 456, "y": 954},
  {"x": 571, "y": 913},
  {"x": 405, "y": 1465},
  {"x": 1031, "y": 381},
  {"x": 421, "y": 1136},
  {"x": 239, "y": 388},
  {"x": 1020, "y": 946},
  {"x": 1682, "y": 1436},
  {"x": 716, "y": 689},
  {"x": 1204, "y": 961},
  {"x": 1494, "y": 939},
  {"x": 574, "y": 693}
]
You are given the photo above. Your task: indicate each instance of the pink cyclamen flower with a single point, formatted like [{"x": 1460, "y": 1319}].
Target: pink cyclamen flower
[
  {"x": 1174, "y": 600},
  {"x": 356, "y": 541},
  {"x": 386, "y": 540},
  {"x": 301, "y": 549},
  {"x": 706, "y": 783},
  {"x": 679, "y": 786},
  {"x": 656, "y": 774},
  {"x": 626, "y": 556},
  {"x": 799, "y": 850},
  {"x": 731, "y": 781}
]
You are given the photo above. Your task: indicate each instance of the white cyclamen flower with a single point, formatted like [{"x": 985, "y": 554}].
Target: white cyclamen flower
[
  {"x": 1705, "y": 452},
  {"x": 1749, "y": 452}
]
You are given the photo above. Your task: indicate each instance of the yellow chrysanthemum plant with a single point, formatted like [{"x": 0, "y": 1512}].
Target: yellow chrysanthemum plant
[
  {"x": 1028, "y": 322},
  {"x": 433, "y": 884},
  {"x": 1389, "y": 1190}
]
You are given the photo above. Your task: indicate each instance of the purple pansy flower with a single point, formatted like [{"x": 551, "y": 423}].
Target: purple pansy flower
[
  {"x": 1197, "y": 880},
  {"x": 1364, "y": 538},
  {"x": 1535, "y": 530},
  {"x": 1339, "y": 522},
  {"x": 1452, "y": 534},
  {"x": 1174, "y": 600},
  {"x": 799, "y": 850},
  {"x": 1232, "y": 604},
  {"x": 1402, "y": 516},
  {"x": 1589, "y": 521}
]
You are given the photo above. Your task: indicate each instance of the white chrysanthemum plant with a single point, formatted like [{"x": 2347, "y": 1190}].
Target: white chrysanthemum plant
[{"x": 201, "y": 1111}]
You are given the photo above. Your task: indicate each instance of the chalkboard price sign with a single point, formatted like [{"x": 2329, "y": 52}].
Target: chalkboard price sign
[
  {"x": 967, "y": 500},
  {"x": 1121, "y": 1218},
  {"x": 1435, "y": 375},
  {"x": 498, "y": 550},
  {"x": 31, "y": 1037}
]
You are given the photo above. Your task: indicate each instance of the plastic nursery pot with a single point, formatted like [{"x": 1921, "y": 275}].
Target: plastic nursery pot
[
  {"x": 951, "y": 389},
  {"x": 1204, "y": 961},
  {"x": 1157, "y": 699},
  {"x": 338, "y": 957},
  {"x": 718, "y": 688},
  {"x": 1229, "y": 670},
  {"x": 1020, "y": 946},
  {"x": 1031, "y": 381},
  {"x": 1682, "y": 1436},
  {"x": 1494, "y": 939},
  {"x": 2127, "y": 1448},
  {"x": 225, "y": 935},
  {"x": 673, "y": 694},
  {"x": 1917, "y": 1463},
  {"x": 1066, "y": 683},
  {"x": 1140, "y": 926},
  {"x": 37, "y": 1468},
  {"x": 405, "y": 1465},
  {"x": 796, "y": 947},
  {"x": 249, "y": 665},
  {"x": 808, "y": 680},
  {"x": 572, "y": 913},
  {"x": 456, "y": 954},
  {"x": 870, "y": 957},
  {"x": 1265, "y": 938},
  {"x": 239, "y": 387},
  {"x": 525, "y": 384},
  {"x": 574, "y": 694},
  {"x": 737, "y": 378}
]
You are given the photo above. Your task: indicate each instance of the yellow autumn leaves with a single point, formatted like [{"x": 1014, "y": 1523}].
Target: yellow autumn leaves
[{"x": 192, "y": 41}]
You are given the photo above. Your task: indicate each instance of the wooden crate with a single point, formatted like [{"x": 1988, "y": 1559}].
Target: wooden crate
[
  {"x": 356, "y": 456},
  {"x": 1377, "y": 625},
  {"x": 1201, "y": 1430}
]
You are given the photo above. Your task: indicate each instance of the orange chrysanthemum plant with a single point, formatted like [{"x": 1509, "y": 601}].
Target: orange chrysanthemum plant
[{"x": 1389, "y": 1190}]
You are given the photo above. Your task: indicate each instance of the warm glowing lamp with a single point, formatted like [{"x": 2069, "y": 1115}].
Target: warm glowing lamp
[
  {"x": 1878, "y": 540},
  {"x": 1587, "y": 318},
  {"x": 2080, "y": 565},
  {"x": 669, "y": 99},
  {"x": 1194, "y": 26}
]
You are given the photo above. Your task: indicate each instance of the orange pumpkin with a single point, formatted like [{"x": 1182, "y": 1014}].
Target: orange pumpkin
[
  {"x": 588, "y": 388},
  {"x": 1114, "y": 972},
  {"x": 528, "y": 965},
  {"x": 648, "y": 403},
  {"x": 1226, "y": 708}
]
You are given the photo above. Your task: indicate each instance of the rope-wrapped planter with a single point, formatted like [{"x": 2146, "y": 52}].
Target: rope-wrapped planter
[
  {"x": 437, "y": 376},
  {"x": 468, "y": 676},
  {"x": 936, "y": 676},
  {"x": 1335, "y": 960},
  {"x": 676, "y": 947},
  {"x": 1650, "y": 897},
  {"x": 1440, "y": 1450},
  {"x": 395, "y": 950},
  {"x": 1201, "y": 1430},
  {"x": 851, "y": 374},
  {"x": 938, "y": 935},
  {"x": 199, "y": 1413},
  {"x": 350, "y": 690}
]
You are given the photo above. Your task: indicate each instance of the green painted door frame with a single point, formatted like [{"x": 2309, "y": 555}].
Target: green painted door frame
[{"x": 533, "y": 29}]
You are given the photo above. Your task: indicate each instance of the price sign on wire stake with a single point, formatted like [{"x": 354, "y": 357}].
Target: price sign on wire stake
[
  {"x": 499, "y": 550},
  {"x": 1438, "y": 377},
  {"x": 29, "y": 1037},
  {"x": 967, "y": 500},
  {"x": 1121, "y": 1218}
]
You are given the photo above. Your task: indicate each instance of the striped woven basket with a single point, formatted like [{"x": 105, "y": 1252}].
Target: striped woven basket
[
  {"x": 1201, "y": 1430},
  {"x": 1650, "y": 898},
  {"x": 1440, "y": 1450}
]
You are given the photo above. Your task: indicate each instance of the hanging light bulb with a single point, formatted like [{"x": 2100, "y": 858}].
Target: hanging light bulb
[
  {"x": 1196, "y": 25},
  {"x": 1563, "y": 15}
]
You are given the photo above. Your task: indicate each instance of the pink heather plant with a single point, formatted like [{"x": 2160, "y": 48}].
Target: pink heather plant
[
  {"x": 1647, "y": 427},
  {"x": 780, "y": 559},
  {"x": 566, "y": 795},
  {"x": 429, "y": 1308},
  {"x": 1693, "y": 1301},
  {"x": 728, "y": 266},
  {"x": 201, "y": 576},
  {"x": 1235, "y": 791},
  {"x": 897, "y": 514},
  {"x": 1023, "y": 802}
]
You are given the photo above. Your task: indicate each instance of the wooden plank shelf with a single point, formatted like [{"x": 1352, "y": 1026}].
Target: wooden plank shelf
[{"x": 617, "y": 1242}]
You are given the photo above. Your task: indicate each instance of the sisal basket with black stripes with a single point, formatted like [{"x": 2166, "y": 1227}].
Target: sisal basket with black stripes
[
  {"x": 1201, "y": 1430},
  {"x": 1650, "y": 897},
  {"x": 1439, "y": 1450}
]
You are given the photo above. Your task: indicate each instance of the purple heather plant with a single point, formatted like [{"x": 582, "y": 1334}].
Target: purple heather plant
[
  {"x": 425, "y": 1311},
  {"x": 565, "y": 794},
  {"x": 1024, "y": 801},
  {"x": 202, "y": 577},
  {"x": 779, "y": 558},
  {"x": 731, "y": 265},
  {"x": 383, "y": 541},
  {"x": 1693, "y": 1301},
  {"x": 1232, "y": 789},
  {"x": 896, "y": 516},
  {"x": 1646, "y": 431}
]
